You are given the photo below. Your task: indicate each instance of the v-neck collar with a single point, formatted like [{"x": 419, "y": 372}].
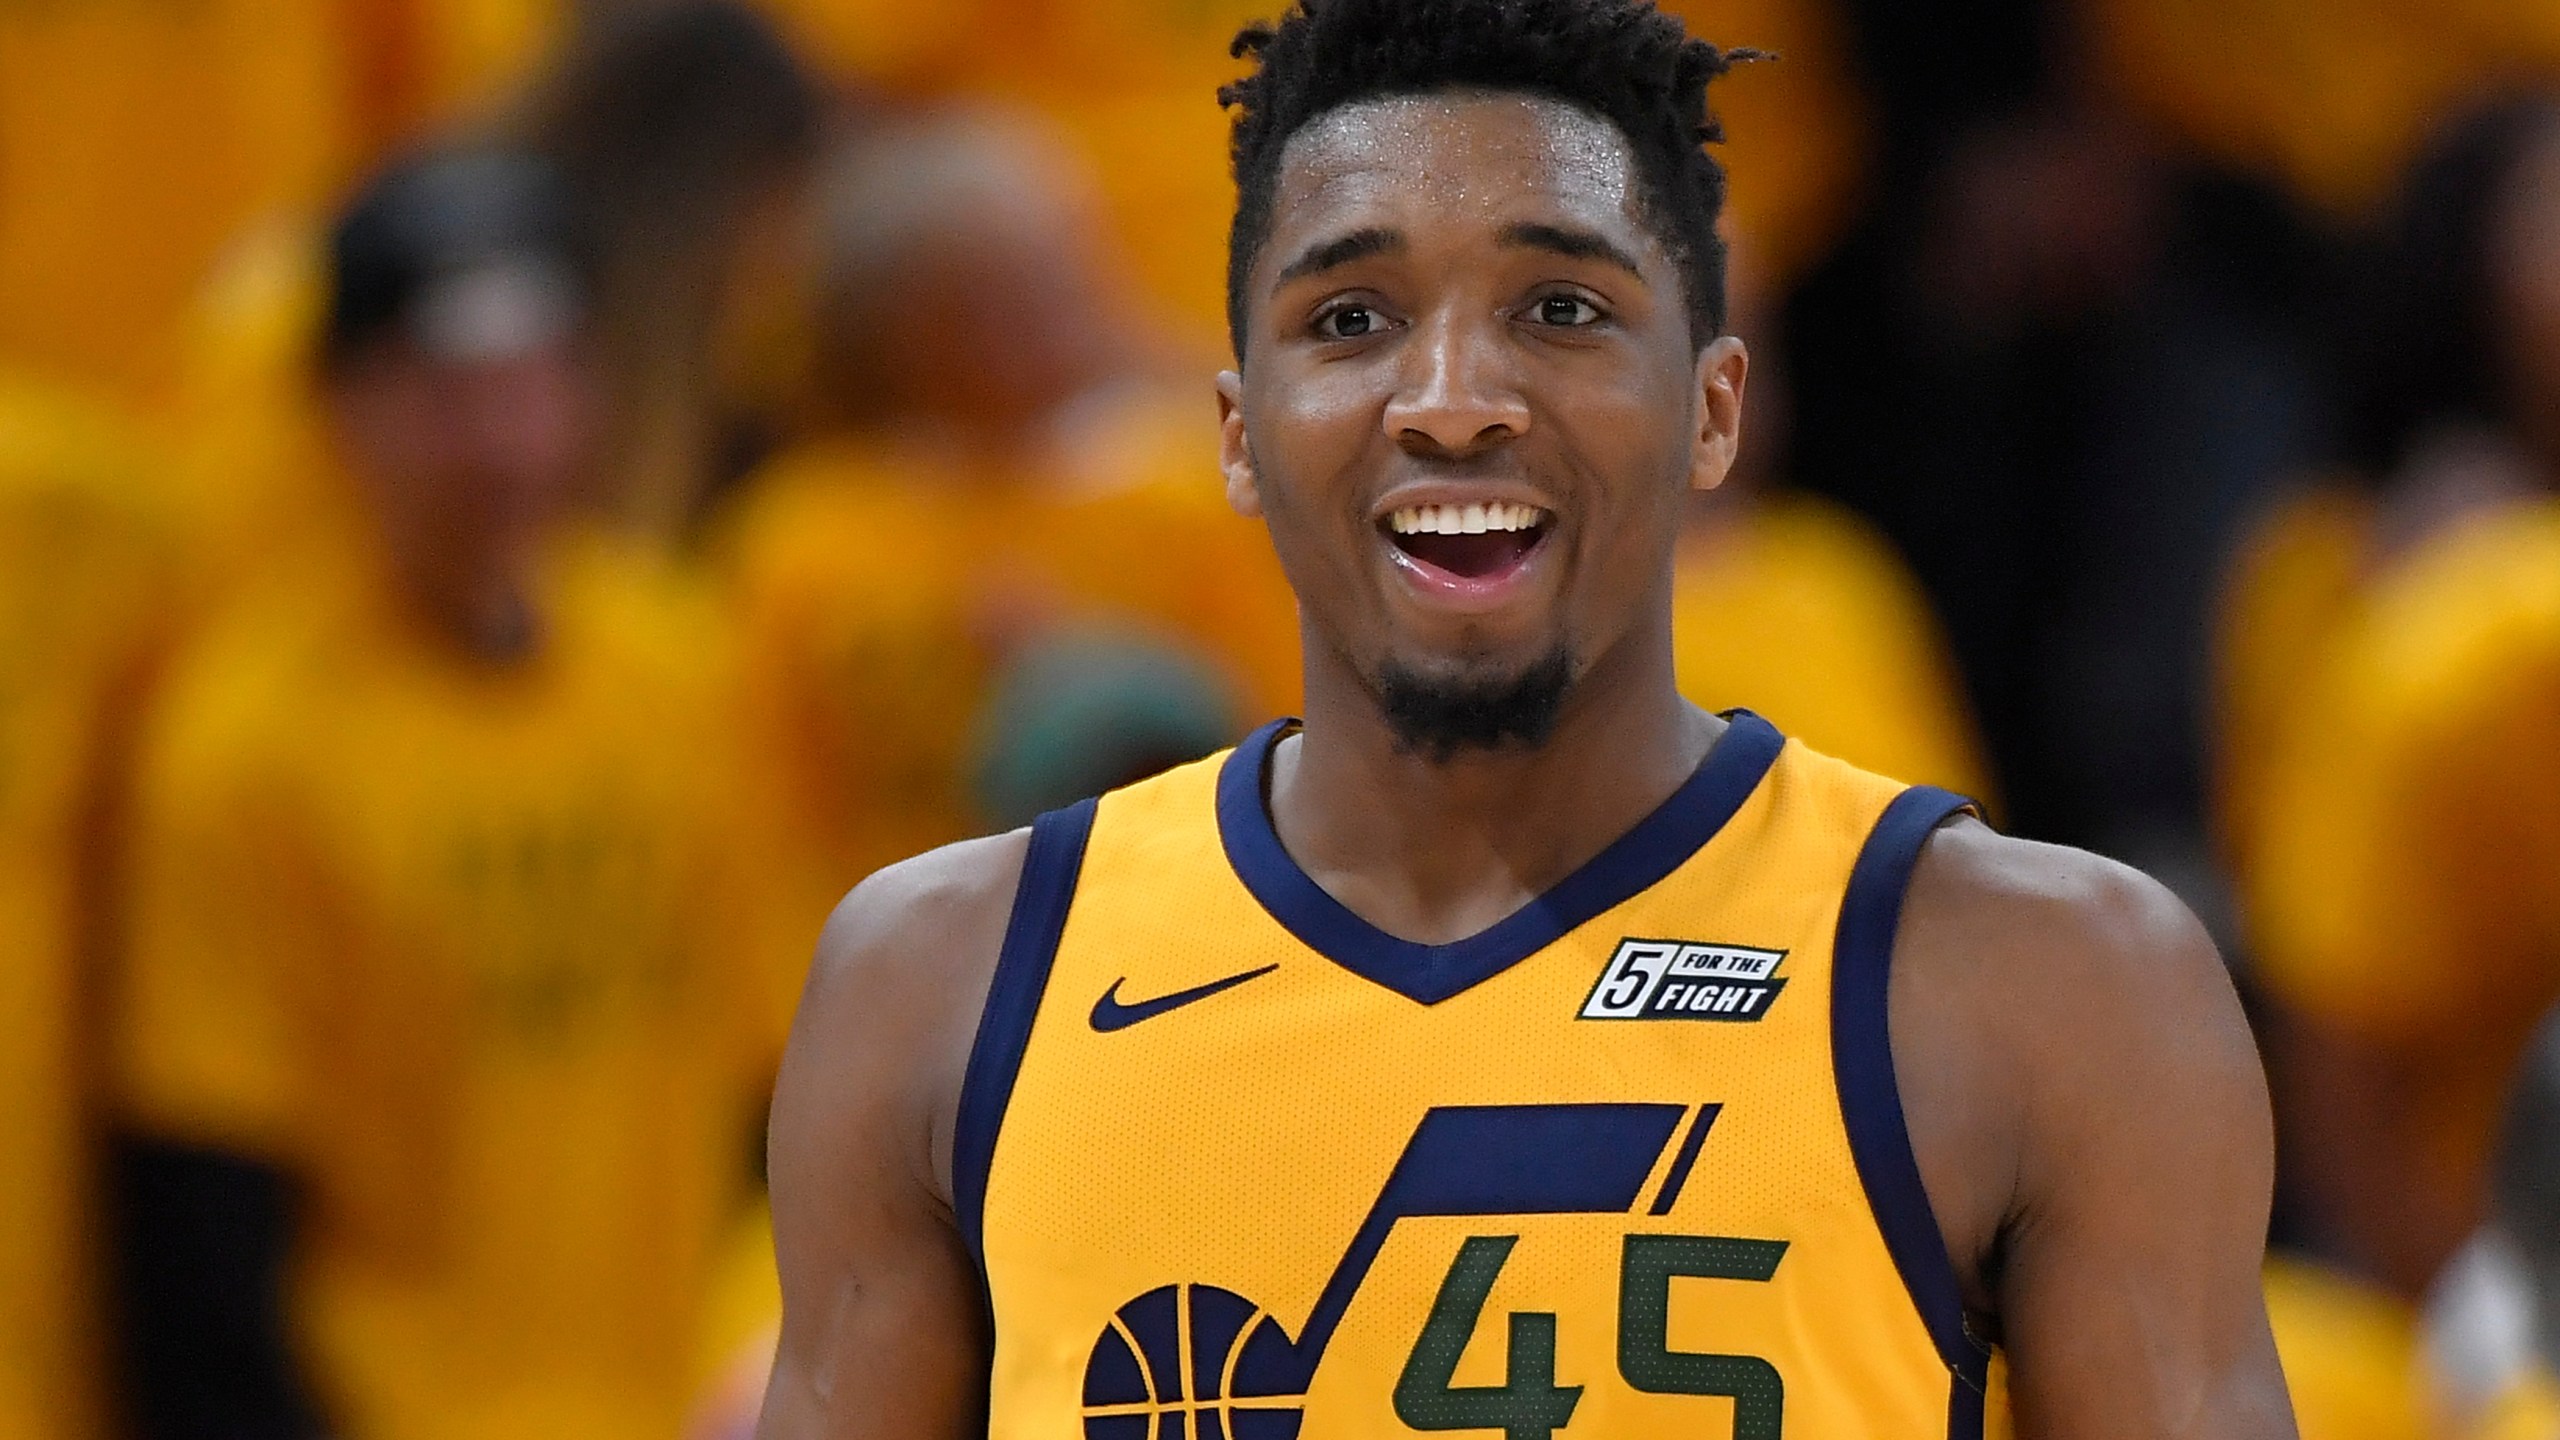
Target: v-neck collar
[{"x": 1428, "y": 974}]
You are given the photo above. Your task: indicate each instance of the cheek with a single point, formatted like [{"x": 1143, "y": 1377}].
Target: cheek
[
  {"x": 1325, "y": 424},
  {"x": 1633, "y": 440}
]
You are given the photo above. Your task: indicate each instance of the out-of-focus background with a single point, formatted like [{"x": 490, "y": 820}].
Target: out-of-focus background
[{"x": 509, "y": 507}]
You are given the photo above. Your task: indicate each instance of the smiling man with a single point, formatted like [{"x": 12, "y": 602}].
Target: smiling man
[{"x": 1509, "y": 1047}]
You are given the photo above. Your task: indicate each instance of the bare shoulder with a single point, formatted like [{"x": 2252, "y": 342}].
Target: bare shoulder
[
  {"x": 2047, "y": 917},
  {"x": 881, "y": 1331},
  {"x": 897, "y": 925},
  {"x": 902, "y": 971},
  {"x": 2045, "y": 1004}
]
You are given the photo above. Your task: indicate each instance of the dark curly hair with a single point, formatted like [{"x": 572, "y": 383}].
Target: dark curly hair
[{"x": 1622, "y": 61}]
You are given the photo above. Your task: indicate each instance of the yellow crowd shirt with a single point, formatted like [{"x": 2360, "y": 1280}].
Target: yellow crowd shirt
[
  {"x": 2353, "y": 1360},
  {"x": 2408, "y": 886},
  {"x": 83, "y": 590},
  {"x": 1793, "y": 606},
  {"x": 878, "y": 597},
  {"x": 2294, "y": 586},
  {"x": 455, "y": 944},
  {"x": 1628, "y": 1163}
]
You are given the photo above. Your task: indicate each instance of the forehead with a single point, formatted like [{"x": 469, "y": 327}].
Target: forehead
[{"x": 1483, "y": 160}]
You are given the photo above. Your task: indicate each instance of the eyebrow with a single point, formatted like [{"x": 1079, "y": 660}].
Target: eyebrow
[
  {"x": 1342, "y": 250},
  {"x": 1570, "y": 243}
]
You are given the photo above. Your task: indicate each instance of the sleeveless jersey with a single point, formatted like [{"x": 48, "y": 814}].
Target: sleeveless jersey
[{"x": 1631, "y": 1163}]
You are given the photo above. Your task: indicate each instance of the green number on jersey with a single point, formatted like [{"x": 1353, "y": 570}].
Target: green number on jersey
[
  {"x": 1645, "y": 1356},
  {"x": 1528, "y": 1405}
]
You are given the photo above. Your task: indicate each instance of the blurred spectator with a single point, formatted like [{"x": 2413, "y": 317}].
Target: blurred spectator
[
  {"x": 440, "y": 1037},
  {"x": 85, "y": 551},
  {"x": 2453, "y": 405},
  {"x": 1792, "y": 607},
  {"x": 999, "y": 469},
  {"x": 684, "y": 129},
  {"x": 2059, "y": 365},
  {"x": 2400, "y": 878},
  {"x": 2403, "y": 893},
  {"x": 2457, "y": 393}
]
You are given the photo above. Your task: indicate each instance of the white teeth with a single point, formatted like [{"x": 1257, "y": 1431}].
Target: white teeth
[{"x": 1464, "y": 519}]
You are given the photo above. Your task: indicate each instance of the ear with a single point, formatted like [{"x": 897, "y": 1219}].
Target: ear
[
  {"x": 1235, "y": 456},
  {"x": 1723, "y": 367}
]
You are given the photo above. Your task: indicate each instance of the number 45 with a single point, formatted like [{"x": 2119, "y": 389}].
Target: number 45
[{"x": 1529, "y": 1404}]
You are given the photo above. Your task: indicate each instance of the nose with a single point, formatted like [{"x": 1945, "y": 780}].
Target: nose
[{"x": 1459, "y": 395}]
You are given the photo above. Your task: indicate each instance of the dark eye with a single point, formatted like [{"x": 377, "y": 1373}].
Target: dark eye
[
  {"x": 1566, "y": 310},
  {"x": 1348, "y": 322}
]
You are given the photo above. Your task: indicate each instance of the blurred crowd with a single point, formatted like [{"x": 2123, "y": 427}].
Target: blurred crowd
[{"x": 508, "y": 508}]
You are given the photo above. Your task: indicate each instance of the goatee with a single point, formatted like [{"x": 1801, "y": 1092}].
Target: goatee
[{"x": 1440, "y": 717}]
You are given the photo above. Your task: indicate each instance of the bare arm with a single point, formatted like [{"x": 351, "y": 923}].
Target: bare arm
[
  {"x": 2091, "y": 1122},
  {"x": 883, "y": 1331}
]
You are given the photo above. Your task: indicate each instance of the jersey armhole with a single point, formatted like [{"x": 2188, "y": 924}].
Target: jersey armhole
[
  {"x": 1040, "y": 904},
  {"x": 1871, "y": 1098}
]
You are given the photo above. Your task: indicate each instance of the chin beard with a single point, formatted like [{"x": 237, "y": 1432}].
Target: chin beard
[{"x": 1437, "y": 717}]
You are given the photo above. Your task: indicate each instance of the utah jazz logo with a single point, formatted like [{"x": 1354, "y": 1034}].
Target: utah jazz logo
[{"x": 1194, "y": 1362}]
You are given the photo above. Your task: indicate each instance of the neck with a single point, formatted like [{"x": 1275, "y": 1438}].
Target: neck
[{"x": 1436, "y": 851}]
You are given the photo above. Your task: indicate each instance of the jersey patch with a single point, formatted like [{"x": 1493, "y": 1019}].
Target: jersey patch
[{"x": 1686, "y": 980}]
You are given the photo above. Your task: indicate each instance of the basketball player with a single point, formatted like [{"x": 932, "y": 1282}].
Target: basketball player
[{"x": 1509, "y": 1048}]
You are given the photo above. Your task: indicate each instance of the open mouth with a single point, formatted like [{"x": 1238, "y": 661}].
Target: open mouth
[{"x": 1471, "y": 542}]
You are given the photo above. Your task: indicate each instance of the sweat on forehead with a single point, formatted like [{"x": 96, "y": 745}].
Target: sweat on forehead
[{"x": 1466, "y": 149}]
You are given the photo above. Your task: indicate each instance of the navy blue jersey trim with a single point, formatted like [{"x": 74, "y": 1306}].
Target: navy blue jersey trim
[
  {"x": 1040, "y": 905},
  {"x": 1965, "y": 1405},
  {"x": 1870, "y": 1097},
  {"x": 1428, "y": 974},
  {"x": 1686, "y": 1160}
]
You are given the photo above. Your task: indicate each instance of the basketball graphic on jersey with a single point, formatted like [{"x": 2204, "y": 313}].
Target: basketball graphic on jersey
[
  {"x": 1227, "y": 1366},
  {"x": 1178, "y": 1352}
]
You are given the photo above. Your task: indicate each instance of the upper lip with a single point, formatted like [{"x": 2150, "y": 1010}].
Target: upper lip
[{"x": 1416, "y": 493}]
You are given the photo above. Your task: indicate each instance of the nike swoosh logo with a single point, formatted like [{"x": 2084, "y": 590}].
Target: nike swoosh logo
[{"x": 1110, "y": 1015}]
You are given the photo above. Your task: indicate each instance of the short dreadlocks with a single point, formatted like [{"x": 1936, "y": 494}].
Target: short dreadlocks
[{"x": 1622, "y": 61}]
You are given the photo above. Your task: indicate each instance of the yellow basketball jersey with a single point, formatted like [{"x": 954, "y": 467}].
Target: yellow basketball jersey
[{"x": 1631, "y": 1163}]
